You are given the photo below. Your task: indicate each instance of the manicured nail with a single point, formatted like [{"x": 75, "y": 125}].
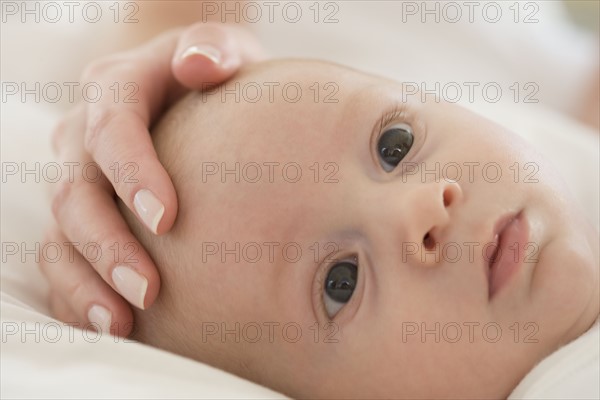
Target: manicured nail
[
  {"x": 130, "y": 284},
  {"x": 101, "y": 317},
  {"x": 203, "y": 50},
  {"x": 149, "y": 208}
]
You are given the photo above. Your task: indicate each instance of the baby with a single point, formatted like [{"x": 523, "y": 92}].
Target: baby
[{"x": 337, "y": 240}]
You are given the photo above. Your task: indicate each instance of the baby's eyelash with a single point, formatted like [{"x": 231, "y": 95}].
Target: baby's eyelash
[{"x": 397, "y": 113}]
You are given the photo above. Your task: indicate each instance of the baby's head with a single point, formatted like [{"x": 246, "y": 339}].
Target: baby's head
[{"x": 336, "y": 240}]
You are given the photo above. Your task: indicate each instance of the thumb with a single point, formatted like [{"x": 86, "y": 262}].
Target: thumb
[{"x": 209, "y": 53}]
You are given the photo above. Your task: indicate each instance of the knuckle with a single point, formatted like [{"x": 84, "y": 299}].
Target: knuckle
[
  {"x": 97, "y": 126},
  {"x": 98, "y": 68},
  {"x": 67, "y": 124},
  {"x": 98, "y": 238},
  {"x": 126, "y": 171},
  {"x": 113, "y": 64},
  {"x": 75, "y": 290},
  {"x": 51, "y": 237},
  {"x": 98, "y": 249},
  {"x": 60, "y": 198}
]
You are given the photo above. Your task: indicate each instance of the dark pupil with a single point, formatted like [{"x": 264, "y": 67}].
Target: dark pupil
[
  {"x": 394, "y": 144},
  {"x": 341, "y": 281}
]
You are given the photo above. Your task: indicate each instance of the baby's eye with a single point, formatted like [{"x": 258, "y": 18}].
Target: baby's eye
[
  {"x": 394, "y": 144},
  {"x": 339, "y": 286}
]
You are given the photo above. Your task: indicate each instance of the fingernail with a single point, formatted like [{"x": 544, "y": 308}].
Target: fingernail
[
  {"x": 205, "y": 50},
  {"x": 101, "y": 317},
  {"x": 130, "y": 284},
  {"x": 149, "y": 208}
]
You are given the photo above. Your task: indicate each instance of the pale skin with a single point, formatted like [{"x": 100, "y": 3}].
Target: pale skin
[
  {"x": 110, "y": 134},
  {"x": 369, "y": 214}
]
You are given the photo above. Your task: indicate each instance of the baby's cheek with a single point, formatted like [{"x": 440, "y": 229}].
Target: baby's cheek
[{"x": 564, "y": 287}]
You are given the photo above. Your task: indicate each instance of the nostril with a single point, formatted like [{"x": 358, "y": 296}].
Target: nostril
[
  {"x": 447, "y": 197},
  {"x": 429, "y": 242}
]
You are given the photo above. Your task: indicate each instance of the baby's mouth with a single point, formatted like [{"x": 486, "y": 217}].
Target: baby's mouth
[{"x": 504, "y": 255}]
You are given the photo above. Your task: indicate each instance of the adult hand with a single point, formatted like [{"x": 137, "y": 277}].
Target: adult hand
[{"x": 113, "y": 134}]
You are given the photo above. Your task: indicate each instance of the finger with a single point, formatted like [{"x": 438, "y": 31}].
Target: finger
[
  {"x": 79, "y": 188},
  {"x": 89, "y": 197},
  {"x": 209, "y": 53},
  {"x": 130, "y": 163},
  {"x": 147, "y": 71},
  {"x": 92, "y": 223},
  {"x": 137, "y": 85},
  {"x": 73, "y": 123},
  {"x": 80, "y": 295},
  {"x": 62, "y": 311}
]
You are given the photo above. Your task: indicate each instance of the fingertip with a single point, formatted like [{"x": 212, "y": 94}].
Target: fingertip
[
  {"x": 169, "y": 200},
  {"x": 149, "y": 209},
  {"x": 139, "y": 288},
  {"x": 207, "y": 54},
  {"x": 153, "y": 287},
  {"x": 110, "y": 314},
  {"x": 203, "y": 51},
  {"x": 121, "y": 322},
  {"x": 157, "y": 212},
  {"x": 202, "y": 66},
  {"x": 101, "y": 318}
]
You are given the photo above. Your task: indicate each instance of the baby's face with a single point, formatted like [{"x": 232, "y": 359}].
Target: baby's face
[{"x": 370, "y": 224}]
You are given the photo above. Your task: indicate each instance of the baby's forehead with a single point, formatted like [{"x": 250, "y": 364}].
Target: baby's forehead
[
  {"x": 292, "y": 102},
  {"x": 305, "y": 72},
  {"x": 294, "y": 88}
]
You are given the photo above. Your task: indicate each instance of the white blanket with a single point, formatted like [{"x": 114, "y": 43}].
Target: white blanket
[{"x": 572, "y": 372}]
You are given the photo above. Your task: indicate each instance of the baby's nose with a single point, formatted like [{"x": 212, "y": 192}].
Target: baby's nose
[{"x": 428, "y": 216}]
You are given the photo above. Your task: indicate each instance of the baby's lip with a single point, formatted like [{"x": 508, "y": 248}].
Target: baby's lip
[{"x": 492, "y": 247}]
